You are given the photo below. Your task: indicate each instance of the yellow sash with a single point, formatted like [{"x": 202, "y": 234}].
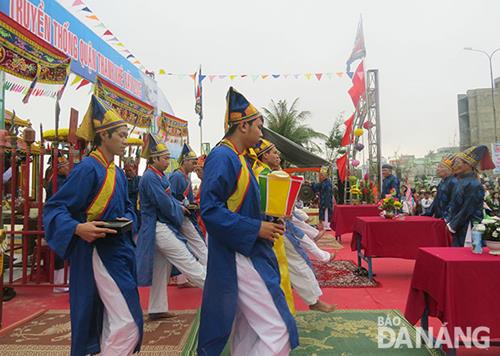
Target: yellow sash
[
  {"x": 103, "y": 197},
  {"x": 236, "y": 199},
  {"x": 279, "y": 249}
]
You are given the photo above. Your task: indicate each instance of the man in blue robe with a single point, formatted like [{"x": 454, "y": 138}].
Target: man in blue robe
[
  {"x": 182, "y": 190},
  {"x": 325, "y": 190},
  {"x": 160, "y": 244},
  {"x": 302, "y": 276},
  {"x": 106, "y": 315},
  {"x": 439, "y": 208},
  {"x": 390, "y": 183},
  {"x": 466, "y": 206},
  {"x": 63, "y": 169},
  {"x": 242, "y": 297}
]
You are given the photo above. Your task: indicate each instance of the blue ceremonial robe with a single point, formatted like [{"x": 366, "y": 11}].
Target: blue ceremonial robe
[
  {"x": 62, "y": 213},
  {"x": 60, "y": 181},
  {"x": 466, "y": 206},
  {"x": 182, "y": 189},
  {"x": 157, "y": 204},
  {"x": 389, "y": 183},
  {"x": 325, "y": 190},
  {"x": 230, "y": 232},
  {"x": 133, "y": 195},
  {"x": 440, "y": 205}
]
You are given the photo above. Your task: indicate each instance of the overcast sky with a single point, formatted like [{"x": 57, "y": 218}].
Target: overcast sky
[{"x": 417, "y": 46}]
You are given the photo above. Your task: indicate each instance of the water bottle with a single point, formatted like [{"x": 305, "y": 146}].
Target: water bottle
[{"x": 477, "y": 242}]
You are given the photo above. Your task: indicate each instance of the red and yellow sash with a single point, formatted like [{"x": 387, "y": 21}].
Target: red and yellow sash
[{"x": 105, "y": 194}]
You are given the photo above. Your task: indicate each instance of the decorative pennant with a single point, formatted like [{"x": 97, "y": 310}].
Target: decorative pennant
[
  {"x": 107, "y": 33},
  {"x": 119, "y": 44},
  {"x": 82, "y": 84},
  {"x": 101, "y": 25},
  {"x": 255, "y": 77},
  {"x": 286, "y": 76},
  {"x": 92, "y": 17},
  {"x": 222, "y": 76},
  {"x": 329, "y": 75},
  {"x": 77, "y": 3},
  {"x": 318, "y": 76},
  {"x": 192, "y": 76},
  {"x": 339, "y": 74},
  {"x": 264, "y": 76},
  {"x": 211, "y": 78},
  {"x": 232, "y": 76},
  {"x": 308, "y": 76},
  {"x": 130, "y": 56},
  {"x": 296, "y": 76},
  {"x": 77, "y": 79},
  {"x": 243, "y": 75},
  {"x": 161, "y": 72},
  {"x": 86, "y": 9},
  {"x": 276, "y": 76}
]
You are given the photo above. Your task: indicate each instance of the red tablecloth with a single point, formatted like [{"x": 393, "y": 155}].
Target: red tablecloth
[
  {"x": 345, "y": 215},
  {"x": 463, "y": 288},
  {"x": 400, "y": 238}
]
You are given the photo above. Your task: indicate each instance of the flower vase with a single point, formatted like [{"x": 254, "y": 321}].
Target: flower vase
[
  {"x": 389, "y": 215},
  {"x": 494, "y": 247}
]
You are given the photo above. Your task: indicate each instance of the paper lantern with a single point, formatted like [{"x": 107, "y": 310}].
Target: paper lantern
[
  {"x": 358, "y": 132},
  {"x": 367, "y": 125},
  {"x": 355, "y": 163},
  {"x": 359, "y": 146},
  {"x": 278, "y": 193}
]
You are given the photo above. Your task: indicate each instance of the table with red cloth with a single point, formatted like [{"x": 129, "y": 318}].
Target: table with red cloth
[
  {"x": 344, "y": 217},
  {"x": 375, "y": 236},
  {"x": 458, "y": 287}
]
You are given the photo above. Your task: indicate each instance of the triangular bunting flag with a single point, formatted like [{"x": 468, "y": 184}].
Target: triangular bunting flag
[
  {"x": 339, "y": 74},
  {"x": 76, "y": 80},
  {"x": 232, "y": 76},
  {"x": 286, "y": 76},
  {"x": 243, "y": 75},
  {"x": 119, "y": 44},
  {"x": 82, "y": 84},
  {"x": 93, "y": 17},
  {"x": 137, "y": 62},
  {"x": 211, "y": 78},
  {"x": 318, "y": 75},
  {"x": 329, "y": 75},
  {"x": 101, "y": 25},
  {"x": 193, "y": 76},
  {"x": 78, "y": 3},
  {"x": 264, "y": 76},
  {"x": 276, "y": 76},
  {"x": 222, "y": 76},
  {"x": 130, "y": 56},
  {"x": 308, "y": 76},
  {"x": 296, "y": 76},
  {"x": 162, "y": 72},
  {"x": 107, "y": 33},
  {"x": 86, "y": 9},
  {"x": 255, "y": 77}
]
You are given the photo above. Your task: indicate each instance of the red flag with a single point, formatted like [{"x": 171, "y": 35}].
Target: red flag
[
  {"x": 82, "y": 84},
  {"x": 346, "y": 140},
  {"x": 358, "y": 88},
  {"x": 342, "y": 167}
]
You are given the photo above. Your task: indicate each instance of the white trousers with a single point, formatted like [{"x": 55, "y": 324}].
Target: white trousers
[
  {"x": 301, "y": 275},
  {"x": 194, "y": 241},
  {"x": 171, "y": 251},
  {"x": 326, "y": 222},
  {"x": 308, "y": 244},
  {"x": 258, "y": 328},
  {"x": 119, "y": 333}
]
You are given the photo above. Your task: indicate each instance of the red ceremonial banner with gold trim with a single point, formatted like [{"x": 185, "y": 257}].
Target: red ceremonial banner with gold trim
[{"x": 134, "y": 111}]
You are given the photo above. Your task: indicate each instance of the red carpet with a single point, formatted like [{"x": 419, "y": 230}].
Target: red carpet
[{"x": 393, "y": 275}]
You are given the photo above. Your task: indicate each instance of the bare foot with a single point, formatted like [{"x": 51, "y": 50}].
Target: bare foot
[
  {"x": 319, "y": 235},
  {"x": 323, "y": 307}
]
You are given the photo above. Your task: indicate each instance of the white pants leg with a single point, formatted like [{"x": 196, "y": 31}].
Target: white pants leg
[
  {"x": 158, "y": 301},
  {"x": 258, "y": 328},
  {"x": 173, "y": 252},
  {"x": 120, "y": 333},
  {"x": 308, "y": 244},
  {"x": 326, "y": 222},
  {"x": 195, "y": 241},
  {"x": 301, "y": 275}
]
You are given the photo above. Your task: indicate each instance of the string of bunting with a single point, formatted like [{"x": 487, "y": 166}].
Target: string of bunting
[
  {"x": 254, "y": 77},
  {"x": 105, "y": 33}
]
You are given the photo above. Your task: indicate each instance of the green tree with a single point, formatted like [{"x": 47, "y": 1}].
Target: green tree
[
  {"x": 334, "y": 139},
  {"x": 289, "y": 122}
]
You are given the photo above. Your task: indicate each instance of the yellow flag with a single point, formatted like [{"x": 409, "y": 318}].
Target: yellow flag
[
  {"x": 308, "y": 75},
  {"x": 76, "y": 80},
  {"x": 162, "y": 72},
  {"x": 231, "y": 77}
]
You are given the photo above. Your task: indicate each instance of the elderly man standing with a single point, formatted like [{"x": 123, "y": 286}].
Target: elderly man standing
[
  {"x": 325, "y": 190},
  {"x": 390, "y": 183}
]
